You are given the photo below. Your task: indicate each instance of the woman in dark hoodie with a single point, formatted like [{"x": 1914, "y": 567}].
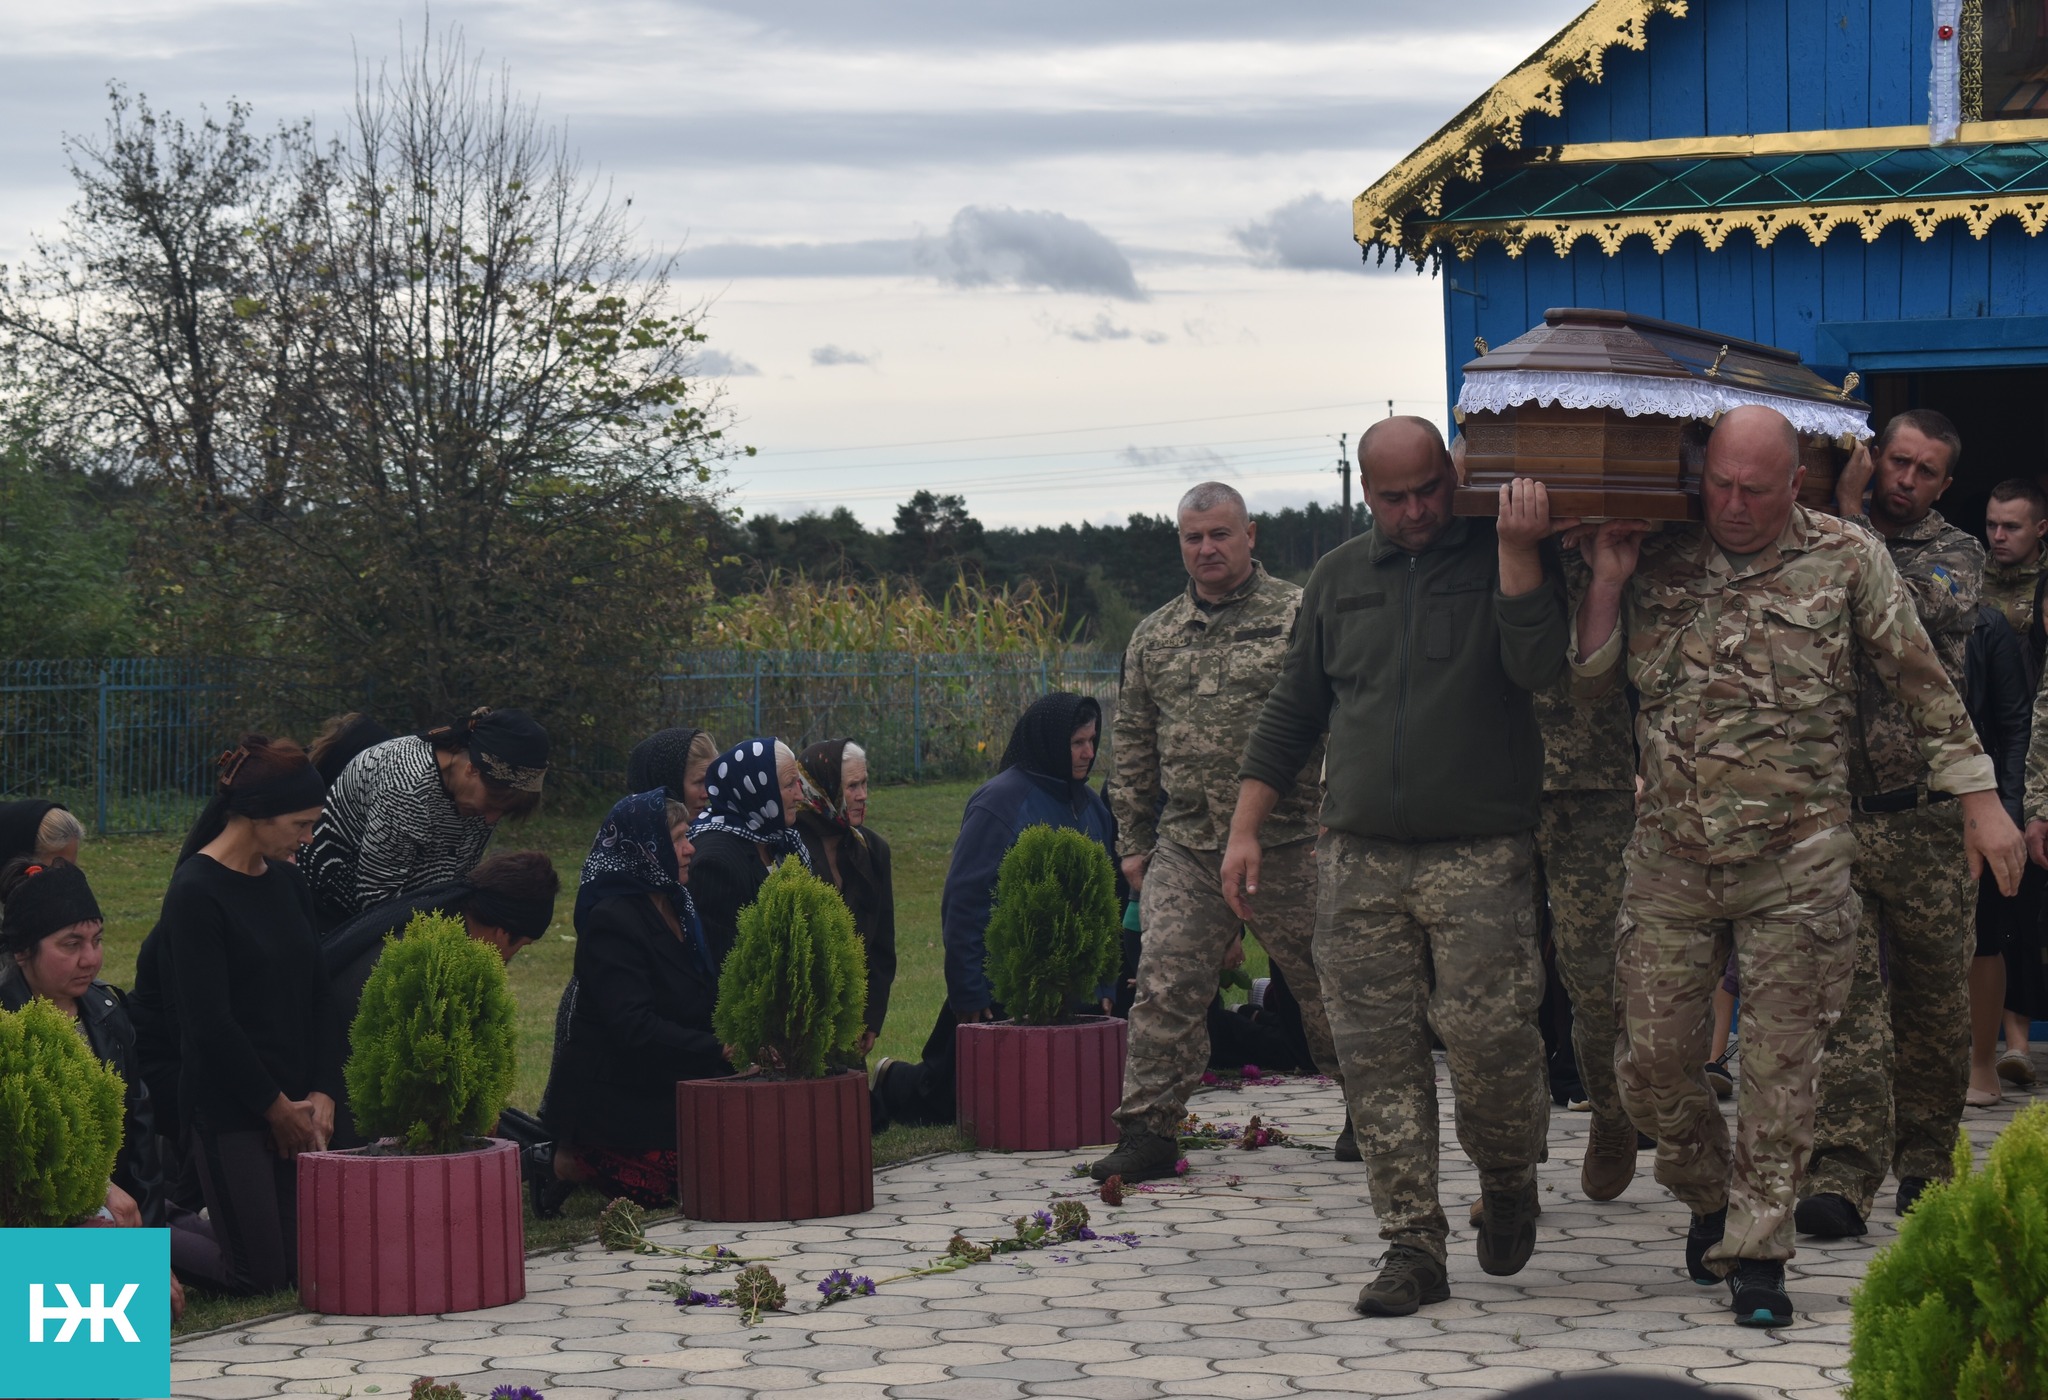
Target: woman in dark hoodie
[{"x": 1043, "y": 781}]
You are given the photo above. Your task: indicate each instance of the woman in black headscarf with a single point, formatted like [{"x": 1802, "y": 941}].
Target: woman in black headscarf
[
  {"x": 42, "y": 830},
  {"x": 647, "y": 980},
  {"x": 676, "y": 761},
  {"x": 753, "y": 791},
  {"x": 1043, "y": 781},
  {"x": 854, "y": 858}
]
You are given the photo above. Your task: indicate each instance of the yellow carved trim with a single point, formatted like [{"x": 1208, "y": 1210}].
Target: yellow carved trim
[
  {"x": 1970, "y": 42},
  {"x": 1579, "y": 50},
  {"x": 1795, "y": 143},
  {"x": 1713, "y": 226}
]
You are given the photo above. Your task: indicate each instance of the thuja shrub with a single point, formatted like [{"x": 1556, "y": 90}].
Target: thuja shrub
[
  {"x": 1053, "y": 935},
  {"x": 1958, "y": 1307},
  {"x": 432, "y": 1051},
  {"x": 60, "y": 1120},
  {"x": 792, "y": 991}
]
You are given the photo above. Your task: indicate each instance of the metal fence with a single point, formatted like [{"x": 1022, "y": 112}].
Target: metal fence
[{"x": 130, "y": 744}]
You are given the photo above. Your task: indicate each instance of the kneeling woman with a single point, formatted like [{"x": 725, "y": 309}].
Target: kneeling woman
[
  {"x": 646, "y": 982},
  {"x": 753, "y": 793}
]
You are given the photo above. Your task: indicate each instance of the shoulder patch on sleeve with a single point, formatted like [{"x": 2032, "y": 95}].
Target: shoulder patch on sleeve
[{"x": 1947, "y": 580}]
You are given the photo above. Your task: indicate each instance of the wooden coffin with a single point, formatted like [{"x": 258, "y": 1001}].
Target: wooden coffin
[{"x": 1618, "y": 456}]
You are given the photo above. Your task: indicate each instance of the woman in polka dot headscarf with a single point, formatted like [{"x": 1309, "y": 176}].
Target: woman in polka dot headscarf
[{"x": 755, "y": 791}]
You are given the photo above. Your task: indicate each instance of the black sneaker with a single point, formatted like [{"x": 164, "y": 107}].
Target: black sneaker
[
  {"x": 1720, "y": 1078},
  {"x": 1409, "y": 1277},
  {"x": 1347, "y": 1144},
  {"x": 1758, "y": 1289},
  {"x": 1507, "y": 1227},
  {"x": 1910, "y": 1188},
  {"x": 1828, "y": 1216},
  {"x": 1138, "y": 1156},
  {"x": 1702, "y": 1235}
]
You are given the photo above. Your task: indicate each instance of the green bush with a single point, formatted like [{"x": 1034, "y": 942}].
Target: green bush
[
  {"x": 1053, "y": 936},
  {"x": 794, "y": 986},
  {"x": 1958, "y": 1307},
  {"x": 60, "y": 1120},
  {"x": 432, "y": 1050}
]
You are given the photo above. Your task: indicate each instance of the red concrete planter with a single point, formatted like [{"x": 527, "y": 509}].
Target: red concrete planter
[
  {"x": 403, "y": 1236},
  {"x": 1040, "y": 1088},
  {"x": 774, "y": 1149}
]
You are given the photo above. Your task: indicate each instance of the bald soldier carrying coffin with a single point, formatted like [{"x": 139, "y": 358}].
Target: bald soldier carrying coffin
[{"x": 1741, "y": 637}]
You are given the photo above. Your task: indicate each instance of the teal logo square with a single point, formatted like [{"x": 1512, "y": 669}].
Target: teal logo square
[{"x": 85, "y": 1313}]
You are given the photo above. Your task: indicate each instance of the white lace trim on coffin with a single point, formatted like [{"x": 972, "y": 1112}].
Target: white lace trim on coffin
[{"x": 1638, "y": 394}]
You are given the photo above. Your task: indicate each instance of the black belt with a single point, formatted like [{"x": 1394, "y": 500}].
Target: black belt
[{"x": 1903, "y": 799}]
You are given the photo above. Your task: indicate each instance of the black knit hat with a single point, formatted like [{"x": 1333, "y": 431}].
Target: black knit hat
[
  {"x": 661, "y": 760},
  {"x": 50, "y": 897}
]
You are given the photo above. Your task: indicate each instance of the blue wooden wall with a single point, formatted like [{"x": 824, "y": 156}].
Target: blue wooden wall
[{"x": 1745, "y": 66}]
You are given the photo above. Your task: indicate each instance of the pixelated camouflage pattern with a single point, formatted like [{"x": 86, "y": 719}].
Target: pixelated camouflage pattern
[
  {"x": 1187, "y": 929},
  {"x": 2035, "y": 800},
  {"x": 1898, "y": 1063},
  {"x": 1387, "y": 913},
  {"x": 2010, "y": 589},
  {"x": 1579, "y": 842},
  {"x": 1943, "y": 571},
  {"x": 1791, "y": 919},
  {"x": 1194, "y": 682},
  {"x": 1748, "y": 684},
  {"x": 1588, "y": 745}
]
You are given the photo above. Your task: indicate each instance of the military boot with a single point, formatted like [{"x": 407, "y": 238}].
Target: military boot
[
  {"x": 1347, "y": 1143},
  {"x": 1409, "y": 1277},
  {"x": 1757, "y": 1291},
  {"x": 1507, "y": 1226},
  {"x": 1829, "y": 1216},
  {"x": 1610, "y": 1163},
  {"x": 1138, "y": 1156}
]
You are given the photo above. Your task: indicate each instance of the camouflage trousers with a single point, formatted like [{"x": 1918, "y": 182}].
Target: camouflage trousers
[
  {"x": 1579, "y": 840},
  {"x": 1434, "y": 935},
  {"x": 1898, "y": 1064},
  {"x": 1187, "y": 929},
  {"x": 1791, "y": 919}
]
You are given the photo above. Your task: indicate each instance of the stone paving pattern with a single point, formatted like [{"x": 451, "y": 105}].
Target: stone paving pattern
[{"x": 1239, "y": 1290}]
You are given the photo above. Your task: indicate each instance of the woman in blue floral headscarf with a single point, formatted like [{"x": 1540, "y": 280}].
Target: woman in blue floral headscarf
[
  {"x": 638, "y": 1016},
  {"x": 755, "y": 791}
]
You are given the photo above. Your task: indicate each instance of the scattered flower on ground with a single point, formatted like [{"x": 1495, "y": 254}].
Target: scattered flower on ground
[
  {"x": 1112, "y": 1192},
  {"x": 841, "y": 1284}
]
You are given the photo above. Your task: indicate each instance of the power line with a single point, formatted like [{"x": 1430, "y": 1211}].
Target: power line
[{"x": 1035, "y": 456}]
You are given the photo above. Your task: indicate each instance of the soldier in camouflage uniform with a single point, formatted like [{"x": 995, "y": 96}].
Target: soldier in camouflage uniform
[
  {"x": 1195, "y": 675},
  {"x": 2015, "y": 520},
  {"x": 1898, "y": 1062},
  {"x": 1589, "y": 793},
  {"x": 1741, "y": 639},
  {"x": 1416, "y": 652}
]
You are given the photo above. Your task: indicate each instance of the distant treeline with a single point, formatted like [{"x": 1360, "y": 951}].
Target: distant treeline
[{"x": 1107, "y": 576}]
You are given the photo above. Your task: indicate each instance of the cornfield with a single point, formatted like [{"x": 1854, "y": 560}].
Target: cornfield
[{"x": 795, "y": 614}]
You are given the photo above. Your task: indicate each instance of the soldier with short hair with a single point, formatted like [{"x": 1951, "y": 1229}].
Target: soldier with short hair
[
  {"x": 1195, "y": 676},
  {"x": 2015, "y": 524},
  {"x": 1417, "y": 649},
  {"x": 1898, "y": 1062},
  {"x": 1742, "y": 638}
]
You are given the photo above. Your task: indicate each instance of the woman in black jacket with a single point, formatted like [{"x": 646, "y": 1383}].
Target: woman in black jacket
[
  {"x": 1999, "y": 674},
  {"x": 854, "y": 858},
  {"x": 646, "y": 982},
  {"x": 753, "y": 792}
]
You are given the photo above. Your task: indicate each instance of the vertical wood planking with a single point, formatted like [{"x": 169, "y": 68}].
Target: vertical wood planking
[
  {"x": 1596, "y": 278},
  {"x": 1891, "y": 63},
  {"x": 1841, "y": 277},
  {"x": 1805, "y": 63},
  {"x": 1919, "y": 58},
  {"x": 1550, "y": 281},
  {"x": 1725, "y": 289},
  {"x": 2019, "y": 271},
  {"x": 1628, "y": 95},
  {"x": 1681, "y": 268},
  {"x": 1678, "y": 74},
  {"x": 1969, "y": 286},
  {"x": 1846, "y": 38},
  {"x": 1883, "y": 271},
  {"x": 1796, "y": 293},
  {"x": 1765, "y": 76},
  {"x": 1727, "y": 59},
  {"x": 1641, "y": 278},
  {"x": 1925, "y": 273}
]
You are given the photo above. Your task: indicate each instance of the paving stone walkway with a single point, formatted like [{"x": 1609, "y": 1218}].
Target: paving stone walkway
[{"x": 1240, "y": 1284}]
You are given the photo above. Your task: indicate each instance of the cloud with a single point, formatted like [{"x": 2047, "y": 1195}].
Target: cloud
[
  {"x": 1194, "y": 463},
  {"x": 987, "y": 246},
  {"x": 1106, "y": 329},
  {"x": 1311, "y": 232},
  {"x": 718, "y": 363},
  {"x": 836, "y": 355},
  {"x": 871, "y": 257}
]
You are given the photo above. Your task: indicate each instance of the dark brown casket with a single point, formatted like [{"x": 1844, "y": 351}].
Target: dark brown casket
[{"x": 1611, "y": 411}]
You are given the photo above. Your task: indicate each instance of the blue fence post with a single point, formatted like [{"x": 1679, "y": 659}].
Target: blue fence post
[
  {"x": 1044, "y": 677},
  {"x": 757, "y": 694},
  {"x": 100, "y": 756},
  {"x": 916, "y": 717}
]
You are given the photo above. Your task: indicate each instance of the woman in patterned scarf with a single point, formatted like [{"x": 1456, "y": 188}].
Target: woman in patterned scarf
[
  {"x": 754, "y": 792},
  {"x": 854, "y": 858}
]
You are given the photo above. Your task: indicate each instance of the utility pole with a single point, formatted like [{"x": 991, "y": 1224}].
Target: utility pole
[{"x": 1344, "y": 475}]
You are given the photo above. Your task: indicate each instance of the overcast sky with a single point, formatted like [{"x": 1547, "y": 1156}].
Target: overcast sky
[{"x": 1064, "y": 257}]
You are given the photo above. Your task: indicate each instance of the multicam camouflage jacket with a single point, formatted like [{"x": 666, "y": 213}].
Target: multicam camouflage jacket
[
  {"x": 1194, "y": 682},
  {"x": 1748, "y": 685},
  {"x": 1943, "y": 571},
  {"x": 1588, "y": 745},
  {"x": 2010, "y": 589}
]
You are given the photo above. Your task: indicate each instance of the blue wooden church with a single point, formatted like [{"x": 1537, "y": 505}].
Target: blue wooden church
[{"x": 1862, "y": 181}]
